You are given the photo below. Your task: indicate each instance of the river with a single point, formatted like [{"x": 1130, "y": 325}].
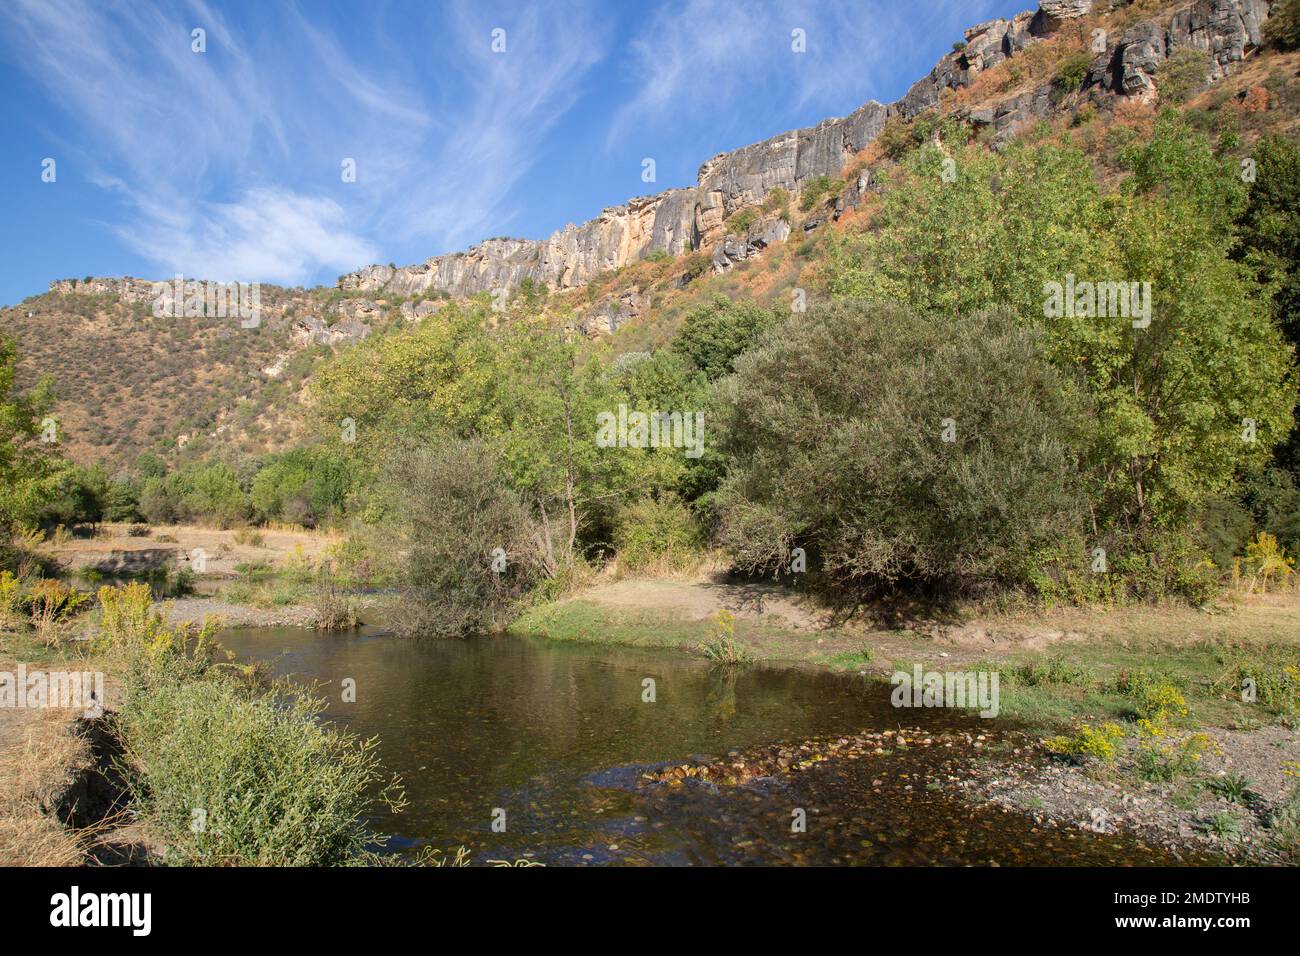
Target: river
[{"x": 549, "y": 740}]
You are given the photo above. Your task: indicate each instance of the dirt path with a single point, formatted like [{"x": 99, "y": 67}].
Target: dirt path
[{"x": 113, "y": 550}]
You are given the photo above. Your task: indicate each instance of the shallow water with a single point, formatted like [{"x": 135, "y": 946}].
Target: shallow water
[{"x": 557, "y": 736}]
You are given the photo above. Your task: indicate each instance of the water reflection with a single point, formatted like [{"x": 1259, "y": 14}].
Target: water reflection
[{"x": 557, "y": 735}]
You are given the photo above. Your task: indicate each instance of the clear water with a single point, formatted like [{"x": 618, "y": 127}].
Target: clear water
[{"x": 557, "y": 736}]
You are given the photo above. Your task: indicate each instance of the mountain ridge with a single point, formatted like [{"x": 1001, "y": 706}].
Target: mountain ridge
[{"x": 686, "y": 219}]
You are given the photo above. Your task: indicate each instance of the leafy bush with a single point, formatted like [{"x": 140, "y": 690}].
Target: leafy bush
[
  {"x": 895, "y": 138},
  {"x": 227, "y": 777},
  {"x": 1069, "y": 75},
  {"x": 777, "y": 199},
  {"x": 861, "y": 475},
  {"x": 1182, "y": 74},
  {"x": 1015, "y": 222},
  {"x": 254, "y": 539},
  {"x": 1274, "y": 675},
  {"x": 50, "y": 602},
  {"x": 458, "y": 521},
  {"x": 226, "y": 774},
  {"x": 334, "y": 611},
  {"x": 657, "y": 534},
  {"x": 1282, "y": 28},
  {"x": 817, "y": 190},
  {"x": 715, "y": 333},
  {"x": 740, "y": 221}
]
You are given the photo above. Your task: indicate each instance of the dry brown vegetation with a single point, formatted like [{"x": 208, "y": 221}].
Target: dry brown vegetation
[{"x": 39, "y": 752}]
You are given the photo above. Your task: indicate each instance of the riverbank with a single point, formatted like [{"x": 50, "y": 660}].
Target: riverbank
[
  {"x": 1057, "y": 670},
  {"x": 1217, "y": 778}
]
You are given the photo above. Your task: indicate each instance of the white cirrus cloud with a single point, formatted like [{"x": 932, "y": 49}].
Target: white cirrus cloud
[{"x": 229, "y": 161}]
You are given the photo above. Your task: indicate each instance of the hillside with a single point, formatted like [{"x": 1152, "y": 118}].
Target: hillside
[{"x": 752, "y": 226}]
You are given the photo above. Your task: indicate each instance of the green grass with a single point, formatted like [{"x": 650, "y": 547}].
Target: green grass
[
  {"x": 260, "y": 585},
  {"x": 848, "y": 660},
  {"x": 585, "y": 622},
  {"x": 1085, "y": 682},
  {"x": 588, "y": 623}
]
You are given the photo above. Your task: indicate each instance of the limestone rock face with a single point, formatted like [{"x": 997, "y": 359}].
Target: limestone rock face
[
  {"x": 1053, "y": 13},
  {"x": 1140, "y": 52},
  {"x": 677, "y": 221},
  {"x": 369, "y": 279},
  {"x": 310, "y": 330},
  {"x": 681, "y": 220},
  {"x": 609, "y": 313},
  {"x": 414, "y": 311},
  {"x": 124, "y": 288},
  {"x": 1226, "y": 29}
]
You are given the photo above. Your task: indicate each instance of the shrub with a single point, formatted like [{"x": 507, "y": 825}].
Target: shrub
[
  {"x": 334, "y": 612},
  {"x": 226, "y": 777},
  {"x": 1282, "y": 28},
  {"x": 862, "y": 474},
  {"x": 1069, "y": 75},
  {"x": 741, "y": 220},
  {"x": 714, "y": 334},
  {"x": 248, "y": 536},
  {"x": 1053, "y": 670},
  {"x": 51, "y": 602},
  {"x": 1088, "y": 742},
  {"x": 127, "y": 617},
  {"x": 817, "y": 190},
  {"x": 1267, "y": 563},
  {"x": 10, "y": 599},
  {"x": 778, "y": 198},
  {"x": 721, "y": 646},
  {"x": 1182, "y": 74},
  {"x": 223, "y": 773},
  {"x": 895, "y": 138},
  {"x": 1273, "y": 675},
  {"x": 457, "y": 520},
  {"x": 657, "y": 534}
]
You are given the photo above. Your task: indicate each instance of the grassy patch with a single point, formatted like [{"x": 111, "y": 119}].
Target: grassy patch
[{"x": 588, "y": 622}]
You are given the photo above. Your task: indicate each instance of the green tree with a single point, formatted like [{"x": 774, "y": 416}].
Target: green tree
[
  {"x": 467, "y": 537},
  {"x": 947, "y": 450},
  {"x": 713, "y": 334},
  {"x": 28, "y": 466},
  {"x": 1282, "y": 28},
  {"x": 1269, "y": 228},
  {"x": 1172, "y": 397}
]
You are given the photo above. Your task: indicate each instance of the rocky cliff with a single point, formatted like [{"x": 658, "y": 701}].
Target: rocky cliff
[{"x": 682, "y": 220}]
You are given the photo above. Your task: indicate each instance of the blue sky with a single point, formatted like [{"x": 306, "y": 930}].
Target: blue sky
[{"x": 227, "y": 164}]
